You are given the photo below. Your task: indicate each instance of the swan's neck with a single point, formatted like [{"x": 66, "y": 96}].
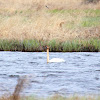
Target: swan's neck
[{"x": 47, "y": 55}]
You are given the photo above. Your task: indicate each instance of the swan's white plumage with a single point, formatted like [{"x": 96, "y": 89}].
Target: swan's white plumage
[
  {"x": 54, "y": 59},
  {"x": 57, "y": 60}
]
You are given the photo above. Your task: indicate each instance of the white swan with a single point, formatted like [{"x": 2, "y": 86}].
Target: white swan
[{"x": 54, "y": 59}]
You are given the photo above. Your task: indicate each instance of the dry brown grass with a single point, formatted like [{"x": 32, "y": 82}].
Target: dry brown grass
[
  {"x": 38, "y": 4},
  {"x": 29, "y": 19}
]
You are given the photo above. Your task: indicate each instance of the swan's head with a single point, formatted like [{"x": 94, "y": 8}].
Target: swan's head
[{"x": 47, "y": 47}]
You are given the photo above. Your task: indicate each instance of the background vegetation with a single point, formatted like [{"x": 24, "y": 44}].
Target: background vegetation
[
  {"x": 91, "y": 45},
  {"x": 47, "y": 20}
]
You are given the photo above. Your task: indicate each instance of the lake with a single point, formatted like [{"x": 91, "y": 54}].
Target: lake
[{"x": 79, "y": 74}]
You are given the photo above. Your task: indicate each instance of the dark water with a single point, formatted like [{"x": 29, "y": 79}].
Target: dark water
[{"x": 80, "y": 73}]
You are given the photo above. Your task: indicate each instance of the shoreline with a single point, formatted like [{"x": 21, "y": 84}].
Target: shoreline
[
  {"x": 52, "y": 97},
  {"x": 86, "y": 45}
]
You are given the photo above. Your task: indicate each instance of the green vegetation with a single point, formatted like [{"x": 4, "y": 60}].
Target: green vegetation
[
  {"x": 91, "y": 45},
  {"x": 48, "y": 24},
  {"x": 58, "y": 97},
  {"x": 91, "y": 21},
  {"x": 90, "y": 18},
  {"x": 95, "y": 11},
  {"x": 31, "y": 25},
  {"x": 55, "y": 97}
]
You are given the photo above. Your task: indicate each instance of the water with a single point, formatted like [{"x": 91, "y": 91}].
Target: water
[{"x": 80, "y": 74}]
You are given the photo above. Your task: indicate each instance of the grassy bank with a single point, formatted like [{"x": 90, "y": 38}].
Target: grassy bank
[
  {"x": 92, "y": 45},
  {"x": 55, "y": 97},
  {"x": 30, "y": 25},
  {"x": 62, "y": 25},
  {"x": 45, "y": 20}
]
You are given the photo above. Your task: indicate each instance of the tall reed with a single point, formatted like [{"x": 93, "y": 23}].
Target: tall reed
[{"x": 91, "y": 45}]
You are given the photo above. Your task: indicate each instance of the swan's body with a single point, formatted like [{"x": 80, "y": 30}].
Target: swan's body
[
  {"x": 54, "y": 59},
  {"x": 57, "y": 60}
]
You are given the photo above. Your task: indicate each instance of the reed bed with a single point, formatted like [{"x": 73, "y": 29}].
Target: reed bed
[
  {"x": 91, "y": 45},
  {"x": 30, "y": 25}
]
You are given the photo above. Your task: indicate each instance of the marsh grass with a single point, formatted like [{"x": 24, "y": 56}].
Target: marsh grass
[
  {"x": 62, "y": 20},
  {"x": 10, "y": 45},
  {"x": 59, "y": 97},
  {"x": 29, "y": 25},
  {"x": 90, "y": 21},
  {"x": 91, "y": 45},
  {"x": 56, "y": 24},
  {"x": 54, "y": 97}
]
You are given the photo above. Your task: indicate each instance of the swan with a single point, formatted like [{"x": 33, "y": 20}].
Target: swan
[{"x": 54, "y": 59}]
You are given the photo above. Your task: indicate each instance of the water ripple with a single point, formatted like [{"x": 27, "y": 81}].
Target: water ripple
[{"x": 79, "y": 74}]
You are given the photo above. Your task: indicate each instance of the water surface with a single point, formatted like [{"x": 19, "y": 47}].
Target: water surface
[{"x": 80, "y": 74}]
